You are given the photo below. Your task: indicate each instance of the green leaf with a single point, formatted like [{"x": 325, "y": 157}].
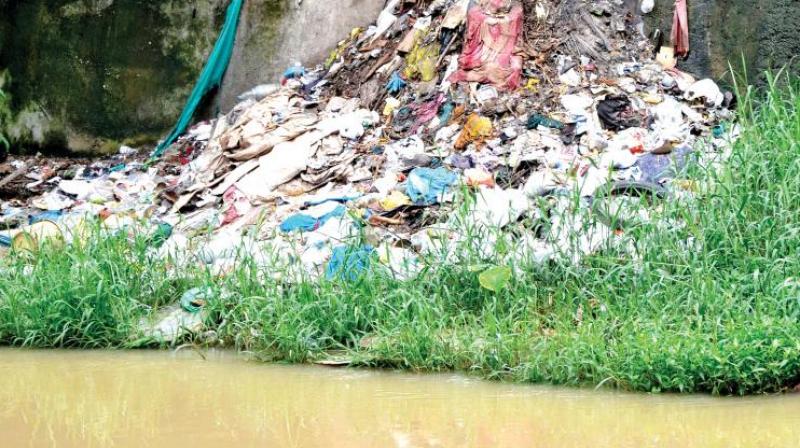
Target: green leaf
[
  {"x": 495, "y": 278},
  {"x": 476, "y": 267}
]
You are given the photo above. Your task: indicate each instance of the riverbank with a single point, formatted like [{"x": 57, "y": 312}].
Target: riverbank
[{"x": 705, "y": 299}]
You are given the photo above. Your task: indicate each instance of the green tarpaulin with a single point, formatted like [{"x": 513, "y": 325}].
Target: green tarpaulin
[{"x": 210, "y": 77}]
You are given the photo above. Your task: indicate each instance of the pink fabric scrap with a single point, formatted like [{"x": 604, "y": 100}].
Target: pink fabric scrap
[
  {"x": 488, "y": 54},
  {"x": 426, "y": 112},
  {"x": 680, "y": 29},
  {"x": 236, "y": 203}
]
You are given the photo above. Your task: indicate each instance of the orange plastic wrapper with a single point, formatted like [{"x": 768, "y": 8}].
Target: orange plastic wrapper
[{"x": 477, "y": 130}]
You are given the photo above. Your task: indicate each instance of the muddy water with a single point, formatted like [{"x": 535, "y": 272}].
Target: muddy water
[{"x": 159, "y": 399}]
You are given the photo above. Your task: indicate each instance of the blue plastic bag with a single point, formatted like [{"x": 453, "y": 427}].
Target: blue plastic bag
[
  {"x": 426, "y": 186},
  {"x": 307, "y": 223},
  {"x": 395, "y": 84},
  {"x": 347, "y": 263},
  {"x": 294, "y": 71}
]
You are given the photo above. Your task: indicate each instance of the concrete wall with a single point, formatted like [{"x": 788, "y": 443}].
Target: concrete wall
[
  {"x": 306, "y": 33},
  {"x": 88, "y": 75}
]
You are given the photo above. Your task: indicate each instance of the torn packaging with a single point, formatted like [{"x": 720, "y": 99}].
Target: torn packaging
[
  {"x": 321, "y": 172},
  {"x": 295, "y": 125},
  {"x": 234, "y": 176},
  {"x": 286, "y": 161},
  {"x": 236, "y": 205},
  {"x": 385, "y": 20},
  {"x": 456, "y": 15}
]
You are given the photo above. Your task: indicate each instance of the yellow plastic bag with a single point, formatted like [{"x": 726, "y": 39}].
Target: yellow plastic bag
[
  {"x": 532, "y": 85},
  {"x": 476, "y": 130},
  {"x": 394, "y": 200},
  {"x": 421, "y": 62}
]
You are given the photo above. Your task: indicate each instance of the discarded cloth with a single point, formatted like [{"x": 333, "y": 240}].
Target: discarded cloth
[
  {"x": 680, "y": 29},
  {"x": 493, "y": 28},
  {"x": 348, "y": 263},
  {"x": 426, "y": 112},
  {"x": 426, "y": 186}
]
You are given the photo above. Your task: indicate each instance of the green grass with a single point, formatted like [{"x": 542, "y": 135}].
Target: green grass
[{"x": 706, "y": 300}]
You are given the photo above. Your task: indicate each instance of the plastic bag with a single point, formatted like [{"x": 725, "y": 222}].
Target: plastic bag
[
  {"x": 421, "y": 62},
  {"x": 394, "y": 200},
  {"x": 427, "y": 186},
  {"x": 476, "y": 130}
]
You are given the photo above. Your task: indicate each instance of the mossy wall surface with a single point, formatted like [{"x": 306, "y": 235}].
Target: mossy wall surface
[{"x": 89, "y": 73}]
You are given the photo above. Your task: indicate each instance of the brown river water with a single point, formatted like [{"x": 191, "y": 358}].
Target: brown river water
[{"x": 164, "y": 399}]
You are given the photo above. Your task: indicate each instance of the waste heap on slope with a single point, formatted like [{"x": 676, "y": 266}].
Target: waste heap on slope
[{"x": 374, "y": 153}]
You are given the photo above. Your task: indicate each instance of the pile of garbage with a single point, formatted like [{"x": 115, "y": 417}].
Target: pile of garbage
[{"x": 442, "y": 115}]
